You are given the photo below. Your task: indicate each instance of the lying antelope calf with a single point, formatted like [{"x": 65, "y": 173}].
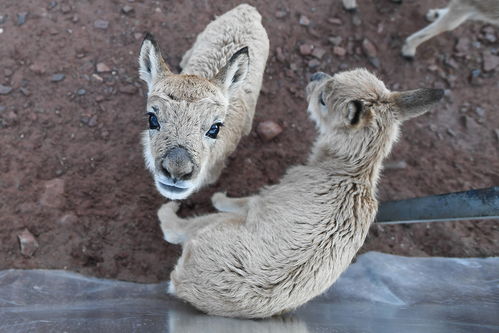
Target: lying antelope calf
[
  {"x": 449, "y": 18},
  {"x": 197, "y": 118},
  {"x": 272, "y": 252}
]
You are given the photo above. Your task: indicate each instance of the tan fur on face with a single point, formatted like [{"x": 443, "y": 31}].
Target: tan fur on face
[
  {"x": 188, "y": 104},
  {"x": 272, "y": 252}
]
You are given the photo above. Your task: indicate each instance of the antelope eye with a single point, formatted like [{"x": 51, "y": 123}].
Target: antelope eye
[
  {"x": 213, "y": 131},
  {"x": 153, "y": 121},
  {"x": 321, "y": 100}
]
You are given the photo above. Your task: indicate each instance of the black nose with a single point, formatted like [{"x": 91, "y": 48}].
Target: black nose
[
  {"x": 318, "y": 76},
  {"x": 177, "y": 164}
]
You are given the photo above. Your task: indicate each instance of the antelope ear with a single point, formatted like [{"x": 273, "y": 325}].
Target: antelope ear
[
  {"x": 414, "y": 103},
  {"x": 151, "y": 63},
  {"x": 234, "y": 73}
]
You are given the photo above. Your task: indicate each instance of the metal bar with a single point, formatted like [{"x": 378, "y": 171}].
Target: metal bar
[{"x": 468, "y": 205}]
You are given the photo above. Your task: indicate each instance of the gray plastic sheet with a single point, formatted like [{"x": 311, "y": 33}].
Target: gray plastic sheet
[{"x": 378, "y": 293}]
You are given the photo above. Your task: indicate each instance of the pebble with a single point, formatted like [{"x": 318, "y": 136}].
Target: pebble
[
  {"x": 138, "y": 35},
  {"x": 356, "y": 20},
  {"x": 318, "y": 52},
  {"x": 280, "y": 55},
  {"x": 375, "y": 62},
  {"x": 334, "y": 20},
  {"x": 339, "y": 51},
  {"x": 496, "y": 131},
  {"x": 267, "y": 130},
  {"x": 314, "y": 63},
  {"x": 37, "y": 68},
  {"x": 5, "y": 90},
  {"x": 65, "y": 9},
  {"x": 335, "y": 40},
  {"x": 53, "y": 193},
  {"x": 81, "y": 92},
  {"x": 52, "y": 5},
  {"x": 97, "y": 77},
  {"x": 462, "y": 45},
  {"x": 480, "y": 111},
  {"x": 25, "y": 91},
  {"x": 28, "y": 243},
  {"x": 128, "y": 89},
  {"x": 127, "y": 9},
  {"x": 2, "y": 108},
  {"x": 281, "y": 14},
  {"x": 68, "y": 219},
  {"x": 369, "y": 48},
  {"x": 304, "y": 21},
  {"x": 475, "y": 77},
  {"x": 306, "y": 49},
  {"x": 490, "y": 61},
  {"x": 3, "y": 18},
  {"x": 101, "y": 24},
  {"x": 21, "y": 18},
  {"x": 57, "y": 77},
  {"x": 89, "y": 121},
  {"x": 395, "y": 165},
  {"x": 102, "y": 68}
]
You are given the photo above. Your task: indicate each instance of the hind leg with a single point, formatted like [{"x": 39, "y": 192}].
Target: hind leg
[{"x": 447, "y": 20}]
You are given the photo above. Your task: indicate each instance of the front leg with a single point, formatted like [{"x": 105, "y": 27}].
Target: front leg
[
  {"x": 237, "y": 206},
  {"x": 171, "y": 224}
]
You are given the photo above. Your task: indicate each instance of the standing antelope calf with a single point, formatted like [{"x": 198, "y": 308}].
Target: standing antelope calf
[
  {"x": 449, "y": 18},
  {"x": 272, "y": 252},
  {"x": 197, "y": 118}
]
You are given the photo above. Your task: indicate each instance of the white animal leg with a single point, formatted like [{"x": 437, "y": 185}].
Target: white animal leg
[{"x": 231, "y": 205}]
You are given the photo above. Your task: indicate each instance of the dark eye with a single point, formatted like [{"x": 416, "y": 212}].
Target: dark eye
[
  {"x": 321, "y": 100},
  {"x": 153, "y": 121},
  {"x": 213, "y": 131}
]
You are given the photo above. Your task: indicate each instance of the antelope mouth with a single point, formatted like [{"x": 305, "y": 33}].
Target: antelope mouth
[{"x": 172, "y": 188}]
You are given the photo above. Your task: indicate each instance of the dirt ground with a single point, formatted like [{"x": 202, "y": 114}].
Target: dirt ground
[{"x": 71, "y": 163}]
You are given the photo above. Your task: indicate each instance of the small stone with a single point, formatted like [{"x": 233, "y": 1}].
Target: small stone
[
  {"x": 128, "y": 89},
  {"x": 5, "y": 90},
  {"x": 339, "y": 51},
  {"x": 374, "y": 61},
  {"x": 480, "y": 111},
  {"x": 3, "y": 19},
  {"x": 369, "y": 48},
  {"x": 451, "y": 132},
  {"x": 396, "y": 165},
  {"x": 28, "y": 243},
  {"x": 102, "y": 68},
  {"x": 57, "y": 77},
  {"x": 68, "y": 219},
  {"x": 2, "y": 108},
  {"x": 97, "y": 77},
  {"x": 496, "y": 131},
  {"x": 462, "y": 45},
  {"x": 356, "y": 20},
  {"x": 138, "y": 35},
  {"x": 101, "y": 24},
  {"x": 53, "y": 194},
  {"x": 127, "y": 9},
  {"x": 65, "y": 9},
  {"x": 334, "y": 20},
  {"x": 81, "y": 92},
  {"x": 75, "y": 19},
  {"x": 490, "y": 37},
  {"x": 318, "y": 52},
  {"x": 37, "y": 68},
  {"x": 280, "y": 55},
  {"x": 490, "y": 61},
  {"x": 335, "y": 40},
  {"x": 52, "y": 5},
  {"x": 314, "y": 63},
  {"x": 99, "y": 98},
  {"x": 89, "y": 121},
  {"x": 21, "y": 18},
  {"x": 304, "y": 21},
  {"x": 25, "y": 91},
  {"x": 267, "y": 130},
  {"x": 475, "y": 77},
  {"x": 281, "y": 14},
  {"x": 450, "y": 62},
  {"x": 306, "y": 49}
]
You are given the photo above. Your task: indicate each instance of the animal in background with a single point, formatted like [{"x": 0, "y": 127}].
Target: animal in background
[
  {"x": 269, "y": 253},
  {"x": 449, "y": 18},
  {"x": 197, "y": 117}
]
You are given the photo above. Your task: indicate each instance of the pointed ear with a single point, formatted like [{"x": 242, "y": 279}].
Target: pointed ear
[
  {"x": 414, "y": 103},
  {"x": 151, "y": 63},
  {"x": 230, "y": 77}
]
